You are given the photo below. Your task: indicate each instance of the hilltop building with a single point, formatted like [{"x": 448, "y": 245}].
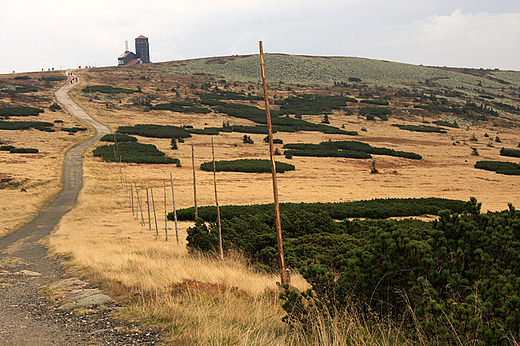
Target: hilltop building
[{"x": 141, "y": 55}]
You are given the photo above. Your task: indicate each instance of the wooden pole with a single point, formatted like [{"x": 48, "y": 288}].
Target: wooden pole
[
  {"x": 174, "y": 210},
  {"x": 194, "y": 183},
  {"x": 216, "y": 201},
  {"x": 148, "y": 204},
  {"x": 154, "y": 214},
  {"x": 139, "y": 207},
  {"x": 132, "y": 199},
  {"x": 273, "y": 170},
  {"x": 165, "y": 214}
]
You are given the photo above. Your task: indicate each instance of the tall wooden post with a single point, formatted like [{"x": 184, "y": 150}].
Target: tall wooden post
[
  {"x": 154, "y": 213},
  {"x": 165, "y": 214},
  {"x": 174, "y": 210},
  {"x": 148, "y": 205},
  {"x": 216, "y": 201},
  {"x": 273, "y": 170},
  {"x": 194, "y": 183},
  {"x": 132, "y": 198},
  {"x": 139, "y": 207}
]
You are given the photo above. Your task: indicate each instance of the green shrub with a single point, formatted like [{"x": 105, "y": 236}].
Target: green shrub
[
  {"x": 456, "y": 282},
  {"x": 53, "y": 78},
  {"x": 446, "y": 123},
  {"x": 55, "y": 107},
  {"x": 22, "y": 77},
  {"x": 118, "y": 137},
  {"x": 23, "y": 151},
  {"x": 107, "y": 89},
  {"x": 247, "y": 166},
  {"x": 351, "y": 146},
  {"x": 25, "y": 125},
  {"x": 313, "y": 104},
  {"x": 376, "y": 102},
  {"x": 20, "y": 111},
  {"x": 133, "y": 152},
  {"x": 6, "y": 147},
  {"x": 379, "y": 112},
  {"x": 510, "y": 152},
  {"x": 421, "y": 128},
  {"x": 372, "y": 209},
  {"x": 181, "y": 107},
  {"x": 328, "y": 153},
  {"x": 275, "y": 140},
  {"x": 72, "y": 130},
  {"x": 500, "y": 167},
  {"x": 151, "y": 130}
]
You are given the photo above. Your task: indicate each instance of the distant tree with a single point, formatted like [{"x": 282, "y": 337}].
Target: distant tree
[{"x": 174, "y": 144}]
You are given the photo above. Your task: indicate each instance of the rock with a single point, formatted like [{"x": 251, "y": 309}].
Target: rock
[
  {"x": 27, "y": 273},
  {"x": 93, "y": 300}
]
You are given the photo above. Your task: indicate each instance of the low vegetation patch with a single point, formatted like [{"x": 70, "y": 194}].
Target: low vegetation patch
[
  {"x": 421, "y": 128},
  {"x": 107, "y": 89},
  {"x": 133, "y": 152},
  {"x": 157, "y": 131},
  {"x": 500, "y": 167},
  {"x": 25, "y": 125},
  {"x": 247, "y": 166},
  {"x": 181, "y": 107},
  {"x": 446, "y": 123},
  {"x": 335, "y": 148},
  {"x": 371, "y": 112},
  {"x": 510, "y": 152},
  {"x": 373, "y": 209},
  {"x": 20, "y": 111},
  {"x": 72, "y": 130},
  {"x": 23, "y": 151},
  {"x": 118, "y": 137},
  {"x": 313, "y": 104}
]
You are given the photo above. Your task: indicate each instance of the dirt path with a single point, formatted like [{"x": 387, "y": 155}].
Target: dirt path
[{"x": 26, "y": 318}]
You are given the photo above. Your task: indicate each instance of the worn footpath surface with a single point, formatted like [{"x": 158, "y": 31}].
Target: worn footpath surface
[{"x": 72, "y": 312}]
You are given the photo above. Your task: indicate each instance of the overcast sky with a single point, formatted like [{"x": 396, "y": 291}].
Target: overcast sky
[{"x": 38, "y": 34}]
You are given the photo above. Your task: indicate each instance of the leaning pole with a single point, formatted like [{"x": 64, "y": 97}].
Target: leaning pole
[{"x": 273, "y": 171}]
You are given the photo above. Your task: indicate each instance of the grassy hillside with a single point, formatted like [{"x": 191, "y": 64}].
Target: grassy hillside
[{"x": 327, "y": 70}]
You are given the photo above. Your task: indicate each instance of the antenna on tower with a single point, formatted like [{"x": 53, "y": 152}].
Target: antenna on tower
[{"x": 126, "y": 46}]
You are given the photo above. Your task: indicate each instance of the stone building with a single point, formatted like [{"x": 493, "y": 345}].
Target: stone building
[{"x": 141, "y": 55}]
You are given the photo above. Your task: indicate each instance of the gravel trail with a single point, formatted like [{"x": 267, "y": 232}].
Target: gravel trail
[{"x": 27, "y": 318}]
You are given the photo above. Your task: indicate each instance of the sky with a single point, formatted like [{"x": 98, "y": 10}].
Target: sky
[{"x": 37, "y": 34}]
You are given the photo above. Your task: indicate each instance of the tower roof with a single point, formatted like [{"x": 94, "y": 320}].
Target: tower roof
[{"x": 142, "y": 36}]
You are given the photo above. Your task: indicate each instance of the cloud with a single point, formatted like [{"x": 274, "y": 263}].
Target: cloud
[{"x": 461, "y": 39}]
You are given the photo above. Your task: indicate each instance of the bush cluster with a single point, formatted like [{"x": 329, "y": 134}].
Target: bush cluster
[
  {"x": 456, "y": 282},
  {"x": 25, "y": 125},
  {"x": 446, "y": 123},
  {"x": 313, "y": 104},
  {"x": 72, "y": 130},
  {"x": 107, "y": 89},
  {"x": 181, "y": 107},
  {"x": 285, "y": 124},
  {"x": 337, "y": 148},
  {"x": 246, "y": 166},
  {"x": 133, "y": 152},
  {"x": 373, "y": 209},
  {"x": 510, "y": 152},
  {"x": 23, "y": 151},
  {"x": 152, "y": 130},
  {"x": 376, "y": 102},
  {"x": 421, "y": 128},
  {"x": 20, "y": 111},
  {"x": 372, "y": 112},
  {"x": 500, "y": 167},
  {"x": 118, "y": 137}
]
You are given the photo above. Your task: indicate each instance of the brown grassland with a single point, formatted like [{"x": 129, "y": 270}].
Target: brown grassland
[{"x": 194, "y": 298}]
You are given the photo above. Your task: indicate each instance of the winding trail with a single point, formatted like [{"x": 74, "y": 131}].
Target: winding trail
[{"x": 25, "y": 317}]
